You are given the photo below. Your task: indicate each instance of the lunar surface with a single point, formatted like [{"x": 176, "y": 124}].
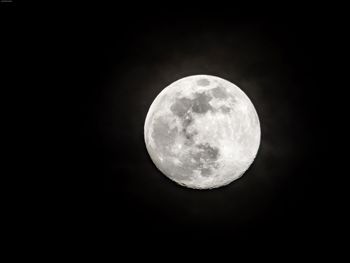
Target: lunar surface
[{"x": 202, "y": 132}]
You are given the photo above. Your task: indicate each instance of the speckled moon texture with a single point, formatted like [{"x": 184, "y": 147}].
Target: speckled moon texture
[{"x": 202, "y": 132}]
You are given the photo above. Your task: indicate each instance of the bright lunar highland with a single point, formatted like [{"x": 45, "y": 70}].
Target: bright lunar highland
[{"x": 202, "y": 132}]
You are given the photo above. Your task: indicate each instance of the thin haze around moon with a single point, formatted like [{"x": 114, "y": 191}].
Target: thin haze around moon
[{"x": 202, "y": 132}]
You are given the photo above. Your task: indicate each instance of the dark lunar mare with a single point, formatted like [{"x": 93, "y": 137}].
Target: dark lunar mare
[
  {"x": 207, "y": 154},
  {"x": 184, "y": 109},
  {"x": 181, "y": 106},
  {"x": 200, "y": 104},
  {"x": 162, "y": 135},
  {"x": 219, "y": 92},
  {"x": 203, "y": 82}
]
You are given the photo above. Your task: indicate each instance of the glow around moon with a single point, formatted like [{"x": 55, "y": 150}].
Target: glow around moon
[{"x": 202, "y": 132}]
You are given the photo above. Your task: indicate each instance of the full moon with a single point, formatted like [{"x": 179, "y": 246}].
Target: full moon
[{"x": 202, "y": 132}]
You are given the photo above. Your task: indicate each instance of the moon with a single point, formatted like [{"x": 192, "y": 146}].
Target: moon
[{"x": 202, "y": 132}]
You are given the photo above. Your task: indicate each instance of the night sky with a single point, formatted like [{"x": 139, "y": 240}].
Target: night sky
[{"x": 275, "y": 60}]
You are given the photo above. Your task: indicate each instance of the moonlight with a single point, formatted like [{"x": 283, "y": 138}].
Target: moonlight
[{"x": 202, "y": 132}]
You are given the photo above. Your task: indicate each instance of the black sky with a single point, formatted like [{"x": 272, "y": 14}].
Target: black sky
[
  {"x": 80, "y": 81},
  {"x": 125, "y": 61}
]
